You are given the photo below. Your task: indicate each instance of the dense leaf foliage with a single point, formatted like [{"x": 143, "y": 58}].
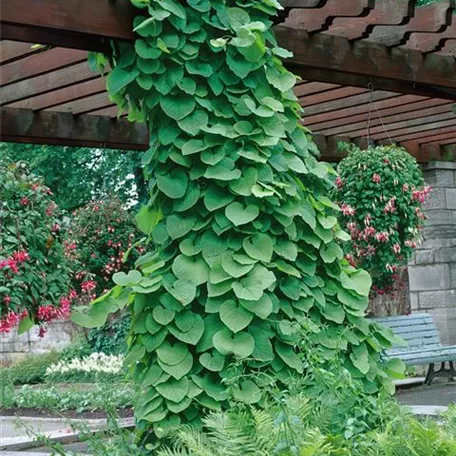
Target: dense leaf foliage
[
  {"x": 99, "y": 235},
  {"x": 247, "y": 253},
  {"x": 77, "y": 175},
  {"x": 34, "y": 275},
  {"x": 381, "y": 192}
]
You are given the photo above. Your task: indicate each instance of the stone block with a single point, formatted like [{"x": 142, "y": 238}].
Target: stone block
[
  {"x": 445, "y": 255},
  {"x": 430, "y": 277},
  {"x": 439, "y": 232},
  {"x": 439, "y": 217},
  {"x": 439, "y": 165},
  {"x": 437, "y": 299},
  {"x": 453, "y": 276},
  {"x": 435, "y": 243},
  {"x": 439, "y": 178},
  {"x": 436, "y": 199},
  {"x": 414, "y": 302},
  {"x": 424, "y": 257},
  {"x": 450, "y": 198}
]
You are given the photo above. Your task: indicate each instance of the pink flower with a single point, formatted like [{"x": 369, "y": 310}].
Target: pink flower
[
  {"x": 382, "y": 236},
  {"x": 42, "y": 331},
  {"x": 396, "y": 248},
  {"x": 339, "y": 182},
  {"x": 88, "y": 285},
  {"x": 7, "y": 300},
  {"x": 350, "y": 259},
  {"x": 21, "y": 257},
  {"x": 11, "y": 264},
  {"x": 405, "y": 187},
  {"x": 73, "y": 294},
  {"x": 411, "y": 244},
  {"x": 347, "y": 210},
  {"x": 376, "y": 178},
  {"x": 9, "y": 321},
  {"x": 390, "y": 206},
  {"x": 56, "y": 228},
  {"x": 24, "y": 201},
  {"x": 35, "y": 187},
  {"x": 386, "y": 160}
]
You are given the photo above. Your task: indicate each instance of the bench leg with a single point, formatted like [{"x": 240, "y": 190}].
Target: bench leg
[{"x": 432, "y": 373}]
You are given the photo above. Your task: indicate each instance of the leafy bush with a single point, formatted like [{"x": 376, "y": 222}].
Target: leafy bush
[
  {"x": 101, "y": 397},
  {"x": 112, "y": 337},
  {"x": 34, "y": 275},
  {"x": 381, "y": 192},
  {"x": 291, "y": 428},
  {"x": 96, "y": 367},
  {"x": 79, "y": 348},
  {"x": 100, "y": 234},
  {"x": 29, "y": 371}
]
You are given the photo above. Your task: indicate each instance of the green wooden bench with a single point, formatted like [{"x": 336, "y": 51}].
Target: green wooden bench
[{"x": 423, "y": 344}]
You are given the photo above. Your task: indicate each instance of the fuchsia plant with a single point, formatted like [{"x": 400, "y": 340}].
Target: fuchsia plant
[
  {"x": 380, "y": 193},
  {"x": 34, "y": 276}
]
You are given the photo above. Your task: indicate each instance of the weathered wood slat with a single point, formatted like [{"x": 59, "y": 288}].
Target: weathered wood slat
[
  {"x": 431, "y": 42},
  {"x": 345, "y": 113},
  {"x": 421, "y": 136},
  {"x": 85, "y": 105},
  {"x": 45, "y": 83},
  {"x": 60, "y": 96},
  {"x": 386, "y": 12},
  {"x": 350, "y": 125},
  {"x": 420, "y": 129},
  {"x": 402, "y": 112},
  {"x": 322, "y": 18},
  {"x": 431, "y": 18},
  {"x": 425, "y": 122},
  {"x": 13, "y": 50},
  {"x": 49, "y": 127},
  {"x": 41, "y": 63}
]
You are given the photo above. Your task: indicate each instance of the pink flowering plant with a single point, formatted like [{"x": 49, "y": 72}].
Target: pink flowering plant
[
  {"x": 100, "y": 234},
  {"x": 34, "y": 276},
  {"x": 381, "y": 192}
]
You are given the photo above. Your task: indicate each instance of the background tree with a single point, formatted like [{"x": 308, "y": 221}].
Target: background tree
[{"x": 77, "y": 175}]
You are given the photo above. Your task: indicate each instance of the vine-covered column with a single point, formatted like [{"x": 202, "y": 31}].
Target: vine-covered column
[{"x": 246, "y": 244}]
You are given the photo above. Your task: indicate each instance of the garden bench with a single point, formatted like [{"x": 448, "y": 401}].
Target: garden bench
[{"x": 423, "y": 344}]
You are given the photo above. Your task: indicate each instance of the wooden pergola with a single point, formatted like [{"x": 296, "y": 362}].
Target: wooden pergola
[{"x": 386, "y": 57}]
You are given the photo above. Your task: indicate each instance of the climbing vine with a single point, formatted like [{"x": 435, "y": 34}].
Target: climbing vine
[{"x": 247, "y": 252}]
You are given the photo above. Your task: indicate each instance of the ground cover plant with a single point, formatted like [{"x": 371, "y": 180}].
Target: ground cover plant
[
  {"x": 49, "y": 399},
  {"x": 34, "y": 274},
  {"x": 92, "y": 368},
  {"x": 381, "y": 192},
  {"x": 246, "y": 255}
]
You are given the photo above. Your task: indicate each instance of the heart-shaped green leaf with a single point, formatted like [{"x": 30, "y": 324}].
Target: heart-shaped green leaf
[
  {"x": 239, "y": 214},
  {"x": 172, "y": 354},
  {"x": 212, "y": 361},
  {"x": 178, "y": 370},
  {"x": 235, "y": 316},
  {"x": 259, "y": 247},
  {"x": 177, "y": 107},
  {"x": 240, "y": 344},
  {"x": 162, "y": 315},
  {"x": 174, "y": 390},
  {"x": 247, "y": 392},
  {"x": 193, "y": 268}
]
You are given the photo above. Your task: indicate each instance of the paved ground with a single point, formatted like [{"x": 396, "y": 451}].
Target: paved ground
[{"x": 442, "y": 393}]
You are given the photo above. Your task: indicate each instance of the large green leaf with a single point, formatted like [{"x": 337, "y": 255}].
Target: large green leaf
[
  {"x": 259, "y": 246},
  {"x": 240, "y": 344},
  {"x": 235, "y": 316},
  {"x": 177, "y": 107}
]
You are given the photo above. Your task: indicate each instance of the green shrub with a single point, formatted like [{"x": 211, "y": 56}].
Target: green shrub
[
  {"x": 112, "y": 337},
  {"x": 29, "y": 371},
  {"x": 100, "y": 397},
  {"x": 78, "y": 348}
]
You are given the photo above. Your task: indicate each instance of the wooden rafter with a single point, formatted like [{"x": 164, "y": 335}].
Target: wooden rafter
[{"x": 48, "y": 127}]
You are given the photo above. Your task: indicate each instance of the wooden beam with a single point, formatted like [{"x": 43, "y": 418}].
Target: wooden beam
[
  {"x": 46, "y": 83},
  {"x": 333, "y": 59},
  {"x": 386, "y": 112},
  {"x": 322, "y": 18},
  {"x": 343, "y": 112},
  {"x": 41, "y": 63},
  {"x": 57, "y": 128},
  {"x": 60, "y": 96},
  {"x": 67, "y": 23},
  {"x": 433, "y": 18}
]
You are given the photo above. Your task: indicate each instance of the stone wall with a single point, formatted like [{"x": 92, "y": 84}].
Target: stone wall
[
  {"x": 14, "y": 347},
  {"x": 432, "y": 272}
]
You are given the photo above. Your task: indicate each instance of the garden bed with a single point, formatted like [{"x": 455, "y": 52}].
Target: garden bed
[{"x": 71, "y": 414}]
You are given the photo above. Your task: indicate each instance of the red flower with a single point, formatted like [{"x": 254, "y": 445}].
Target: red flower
[
  {"x": 88, "y": 286},
  {"x": 21, "y": 256},
  {"x": 11, "y": 264},
  {"x": 7, "y": 300},
  {"x": 24, "y": 201}
]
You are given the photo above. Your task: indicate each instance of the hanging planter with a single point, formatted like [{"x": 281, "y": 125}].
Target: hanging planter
[{"x": 381, "y": 192}]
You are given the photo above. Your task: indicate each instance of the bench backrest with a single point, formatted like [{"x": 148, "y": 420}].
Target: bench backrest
[{"x": 418, "y": 330}]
